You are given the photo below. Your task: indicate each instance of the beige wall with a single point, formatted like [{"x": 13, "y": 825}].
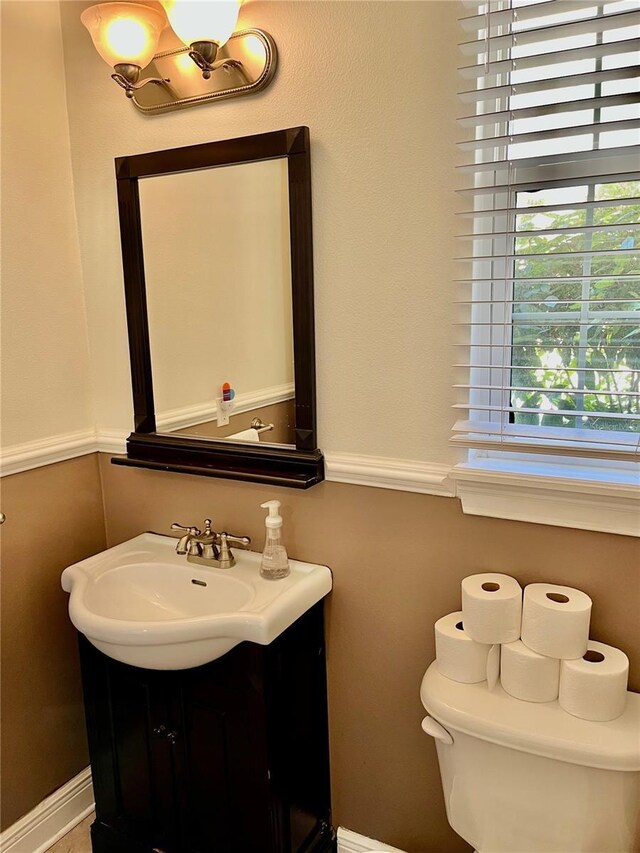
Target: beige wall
[
  {"x": 45, "y": 389},
  {"x": 398, "y": 559},
  {"x": 375, "y": 82},
  {"x": 54, "y": 518}
]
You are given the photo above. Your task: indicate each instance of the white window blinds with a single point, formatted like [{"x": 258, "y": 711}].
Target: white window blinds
[{"x": 549, "y": 329}]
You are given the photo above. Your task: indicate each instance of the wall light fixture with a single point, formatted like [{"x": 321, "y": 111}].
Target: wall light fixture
[
  {"x": 205, "y": 27},
  {"x": 126, "y": 36}
]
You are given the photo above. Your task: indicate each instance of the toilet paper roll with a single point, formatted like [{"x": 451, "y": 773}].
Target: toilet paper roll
[
  {"x": 245, "y": 435},
  {"x": 594, "y": 687},
  {"x": 457, "y": 655},
  {"x": 527, "y": 675},
  {"x": 555, "y": 620},
  {"x": 493, "y": 666},
  {"x": 492, "y": 608}
]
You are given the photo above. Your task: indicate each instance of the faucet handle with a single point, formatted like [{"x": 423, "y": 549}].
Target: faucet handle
[
  {"x": 192, "y": 531},
  {"x": 185, "y": 541},
  {"x": 227, "y": 560},
  {"x": 236, "y": 540}
]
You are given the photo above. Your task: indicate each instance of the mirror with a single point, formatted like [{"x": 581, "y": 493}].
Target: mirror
[
  {"x": 219, "y": 301},
  {"x": 217, "y": 259}
]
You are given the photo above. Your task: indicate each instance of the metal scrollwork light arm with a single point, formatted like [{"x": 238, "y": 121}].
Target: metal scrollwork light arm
[
  {"x": 204, "y": 53},
  {"x": 127, "y": 76}
]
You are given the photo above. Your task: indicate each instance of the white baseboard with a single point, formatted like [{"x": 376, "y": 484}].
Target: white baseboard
[
  {"x": 59, "y": 813},
  {"x": 351, "y": 842},
  {"x": 53, "y": 818}
]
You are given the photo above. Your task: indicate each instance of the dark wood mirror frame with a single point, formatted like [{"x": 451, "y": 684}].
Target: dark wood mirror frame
[{"x": 299, "y": 467}]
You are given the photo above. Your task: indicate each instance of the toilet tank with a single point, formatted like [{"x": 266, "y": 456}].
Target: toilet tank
[{"x": 523, "y": 777}]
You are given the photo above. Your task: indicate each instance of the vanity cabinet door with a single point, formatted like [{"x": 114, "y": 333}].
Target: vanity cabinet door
[
  {"x": 224, "y": 793},
  {"x": 297, "y": 725},
  {"x": 131, "y": 760}
]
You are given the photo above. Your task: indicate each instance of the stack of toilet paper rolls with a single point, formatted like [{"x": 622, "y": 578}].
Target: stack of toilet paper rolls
[{"x": 537, "y": 645}]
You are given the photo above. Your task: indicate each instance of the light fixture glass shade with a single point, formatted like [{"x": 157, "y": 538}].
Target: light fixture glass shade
[
  {"x": 124, "y": 32},
  {"x": 202, "y": 20}
]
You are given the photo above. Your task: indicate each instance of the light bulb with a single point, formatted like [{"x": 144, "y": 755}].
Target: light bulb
[
  {"x": 202, "y": 20},
  {"x": 124, "y": 32}
]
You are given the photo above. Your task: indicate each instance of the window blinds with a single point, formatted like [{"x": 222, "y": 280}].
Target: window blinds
[{"x": 548, "y": 333}]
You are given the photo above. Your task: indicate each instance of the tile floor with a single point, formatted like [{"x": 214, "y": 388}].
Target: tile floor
[{"x": 77, "y": 841}]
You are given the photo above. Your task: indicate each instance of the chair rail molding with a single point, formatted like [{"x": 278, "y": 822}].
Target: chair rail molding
[
  {"x": 567, "y": 496},
  {"x": 187, "y": 416},
  {"x": 45, "y": 451},
  {"x": 403, "y": 475},
  {"x": 112, "y": 441}
]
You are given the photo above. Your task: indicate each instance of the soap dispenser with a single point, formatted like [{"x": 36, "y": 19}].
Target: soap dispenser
[{"x": 275, "y": 563}]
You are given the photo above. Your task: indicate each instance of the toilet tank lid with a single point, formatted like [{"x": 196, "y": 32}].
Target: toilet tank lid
[{"x": 538, "y": 728}]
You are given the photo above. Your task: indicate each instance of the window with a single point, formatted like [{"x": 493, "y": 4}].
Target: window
[{"x": 549, "y": 329}]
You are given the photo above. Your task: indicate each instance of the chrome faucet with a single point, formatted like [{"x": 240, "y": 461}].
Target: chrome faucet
[{"x": 208, "y": 548}]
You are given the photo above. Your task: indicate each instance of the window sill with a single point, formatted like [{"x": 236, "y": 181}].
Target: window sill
[{"x": 606, "y": 500}]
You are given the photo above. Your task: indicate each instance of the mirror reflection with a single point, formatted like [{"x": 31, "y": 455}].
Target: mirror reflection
[{"x": 218, "y": 280}]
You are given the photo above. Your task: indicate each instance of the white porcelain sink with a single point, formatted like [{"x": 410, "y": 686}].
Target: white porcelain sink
[{"x": 142, "y": 604}]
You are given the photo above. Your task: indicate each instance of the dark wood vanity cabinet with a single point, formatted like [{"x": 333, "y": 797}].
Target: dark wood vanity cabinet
[{"x": 230, "y": 757}]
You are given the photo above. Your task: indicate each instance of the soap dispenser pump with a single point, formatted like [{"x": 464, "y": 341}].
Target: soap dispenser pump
[{"x": 275, "y": 563}]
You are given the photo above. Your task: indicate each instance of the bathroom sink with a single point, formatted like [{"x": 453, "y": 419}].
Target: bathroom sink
[{"x": 143, "y": 604}]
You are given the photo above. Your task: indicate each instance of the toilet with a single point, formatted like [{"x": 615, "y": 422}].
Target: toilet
[{"x": 524, "y": 777}]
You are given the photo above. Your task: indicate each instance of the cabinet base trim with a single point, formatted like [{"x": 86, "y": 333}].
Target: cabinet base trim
[{"x": 51, "y": 819}]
